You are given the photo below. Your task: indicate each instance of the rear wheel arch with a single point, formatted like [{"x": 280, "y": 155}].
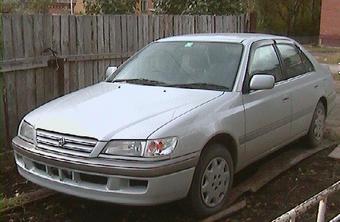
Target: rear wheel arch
[{"x": 323, "y": 100}]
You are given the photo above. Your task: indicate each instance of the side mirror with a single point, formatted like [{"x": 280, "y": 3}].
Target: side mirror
[
  {"x": 110, "y": 70},
  {"x": 262, "y": 81}
]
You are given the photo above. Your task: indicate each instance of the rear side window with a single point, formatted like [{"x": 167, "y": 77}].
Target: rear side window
[
  {"x": 292, "y": 60},
  {"x": 265, "y": 60}
]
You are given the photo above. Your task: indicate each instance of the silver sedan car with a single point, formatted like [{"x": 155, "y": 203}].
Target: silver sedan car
[{"x": 177, "y": 120}]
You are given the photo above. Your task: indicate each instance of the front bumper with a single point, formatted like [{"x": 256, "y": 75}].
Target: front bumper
[{"x": 122, "y": 182}]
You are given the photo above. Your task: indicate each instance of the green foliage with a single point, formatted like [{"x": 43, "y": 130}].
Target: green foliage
[
  {"x": 39, "y": 6},
  {"x": 10, "y": 5},
  {"x": 200, "y": 7},
  {"x": 29, "y": 7},
  {"x": 109, "y": 7},
  {"x": 289, "y": 17}
]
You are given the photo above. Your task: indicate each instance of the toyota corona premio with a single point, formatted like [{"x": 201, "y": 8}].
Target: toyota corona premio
[{"x": 177, "y": 120}]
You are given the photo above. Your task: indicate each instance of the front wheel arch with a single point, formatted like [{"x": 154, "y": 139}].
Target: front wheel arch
[{"x": 228, "y": 142}]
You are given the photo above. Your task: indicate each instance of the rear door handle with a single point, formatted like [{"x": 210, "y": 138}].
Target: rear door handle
[{"x": 316, "y": 86}]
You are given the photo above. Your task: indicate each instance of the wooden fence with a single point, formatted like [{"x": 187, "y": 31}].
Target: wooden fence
[{"x": 47, "y": 56}]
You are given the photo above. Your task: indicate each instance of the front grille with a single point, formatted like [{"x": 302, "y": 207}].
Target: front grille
[{"x": 63, "y": 143}]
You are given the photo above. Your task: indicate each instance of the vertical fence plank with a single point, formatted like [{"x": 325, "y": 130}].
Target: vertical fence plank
[
  {"x": 30, "y": 88},
  {"x": 243, "y": 22},
  {"x": 19, "y": 53},
  {"x": 130, "y": 33},
  {"x": 118, "y": 39},
  {"x": 191, "y": 25},
  {"x": 124, "y": 36},
  {"x": 226, "y": 24},
  {"x": 80, "y": 50},
  {"x": 155, "y": 27},
  {"x": 65, "y": 50},
  {"x": 134, "y": 34},
  {"x": 10, "y": 104},
  {"x": 176, "y": 25},
  {"x": 56, "y": 46},
  {"x": 218, "y": 24},
  {"x": 198, "y": 28},
  {"x": 38, "y": 50},
  {"x": 184, "y": 25},
  {"x": 49, "y": 72},
  {"x": 170, "y": 25},
  {"x": 73, "y": 51},
  {"x": 145, "y": 30},
  {"x": 140, "y": 32},
  {"x": 161, "y": 26},
  {"x": 107, "y": 35},
  {"x": 150, "y": 25},
  {"x": 112, "y": 36},
  {"x": 210, "y": 24},
  {"x": 87, "y": 29},
  {"x": 101, "y": 49},
  {"x": 94, "y": 42}
]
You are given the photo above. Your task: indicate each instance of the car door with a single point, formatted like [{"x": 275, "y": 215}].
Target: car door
[
  {"x": 304, "y": 84},
  {"x": 267, "y": 112}
]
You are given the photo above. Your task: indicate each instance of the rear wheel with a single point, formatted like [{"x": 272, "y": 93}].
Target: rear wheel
[
  {"x": 316, "y": 129},
  {"x": 212, "y": 180}
]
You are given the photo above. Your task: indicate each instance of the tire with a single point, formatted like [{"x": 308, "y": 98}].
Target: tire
[
  {"x": 316, "y": 129},
  {"x": 213, "y": 179}
]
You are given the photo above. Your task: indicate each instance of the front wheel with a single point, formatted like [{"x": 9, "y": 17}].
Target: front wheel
[
  {"x": 212, "y": 180},
  {"x": 316, "y": 129}
]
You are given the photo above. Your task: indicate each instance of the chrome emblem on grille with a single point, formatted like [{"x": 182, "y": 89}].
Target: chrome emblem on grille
[{"x": 61, "y": 142}]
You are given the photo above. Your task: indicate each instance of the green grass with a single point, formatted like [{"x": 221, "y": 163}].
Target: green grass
[
  {"x": 329, "y": 55},
  {"x": 322, "y": 49},
  {"x": 333, "y": 58}
]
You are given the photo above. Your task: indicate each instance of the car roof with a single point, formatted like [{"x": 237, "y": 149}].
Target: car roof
[{"x": 222, "y": 37}]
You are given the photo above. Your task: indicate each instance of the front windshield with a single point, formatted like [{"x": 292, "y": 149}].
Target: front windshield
[{"x": 208, "y": 65}]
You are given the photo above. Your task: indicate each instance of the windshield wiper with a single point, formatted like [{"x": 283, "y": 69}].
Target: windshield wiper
[
  {"x": 201, "y": 86},
  {"x": 141, "y": 81}
]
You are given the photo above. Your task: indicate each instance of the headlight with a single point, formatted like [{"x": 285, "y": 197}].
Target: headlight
[
  {"x": 138, "y": 148},
  {"x": 27, "y": 132},
  {"x": 125, "y": 148}
]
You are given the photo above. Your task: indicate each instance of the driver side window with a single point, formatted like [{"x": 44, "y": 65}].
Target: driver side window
[{"x": 265, "y": 60}]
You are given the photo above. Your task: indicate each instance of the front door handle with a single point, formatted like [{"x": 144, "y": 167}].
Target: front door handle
[{"x": 285, "y": 99}]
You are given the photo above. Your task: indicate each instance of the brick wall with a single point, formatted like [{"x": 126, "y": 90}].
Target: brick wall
[{"x": 330, "y": 23}]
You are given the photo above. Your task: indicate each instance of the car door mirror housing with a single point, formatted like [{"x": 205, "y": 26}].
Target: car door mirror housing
[
  {"x": 110, "y": 70},
  {"x": 262, "y": 81}
]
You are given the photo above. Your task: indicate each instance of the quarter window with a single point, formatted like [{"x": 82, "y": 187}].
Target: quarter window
[
  {"x": 292, "y": 60},
  {"x": 265, "y": 60},
  {"x": 308, "y": 64}
]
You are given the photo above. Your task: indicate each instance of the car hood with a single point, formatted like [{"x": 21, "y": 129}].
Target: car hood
[{"x": 108, "y": 111}]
